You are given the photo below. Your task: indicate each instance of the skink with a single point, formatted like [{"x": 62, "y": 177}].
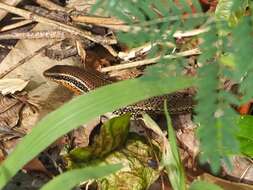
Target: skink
[{"x": 80, "y": 81}]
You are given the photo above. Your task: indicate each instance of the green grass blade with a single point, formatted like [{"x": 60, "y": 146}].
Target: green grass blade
[
  {"x": 81, "y": 110},
  {"x": 172, "y": 159},
  {"x": 199, "y": 185},
  {"x": 68, "y": 180}
]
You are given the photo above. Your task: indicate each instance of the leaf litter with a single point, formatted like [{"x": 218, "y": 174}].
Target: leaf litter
[{"x": 134, "y": 151}]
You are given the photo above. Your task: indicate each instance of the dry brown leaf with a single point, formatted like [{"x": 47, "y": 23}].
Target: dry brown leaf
[
  {"x": 8, "y": 140},
  {"x": 10, "y": 86},
  {"x": 9, "y": 116},
  {"x": 6, "y": 103},
  {"x": 242, "y": 170},
  {"x": 49, "y": 95},
  {"x": 36, "y": 165},
  {"x": 225, "y": 184},
  {"x": 80, "y": 136},
  {"x": 9, "y": 119}
]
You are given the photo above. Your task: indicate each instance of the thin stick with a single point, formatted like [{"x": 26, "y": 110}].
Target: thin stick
[
  {"x": 43, "y": 34},
  {"x": 120, "y": 27},
  {"x": 177, "y": 34},
  {"x": 50, "y": 5},
  {"x": 190, "y": 33},
  {"x": 16, "y": 25},
  {"x": 56, "y": 15},
  {"x": 62, "y": 26},
  {"x": 97, "y": 20},
  {"x": 195, "y": 51},
  {"x": 22, "y": 61},
  {"x": 10, "y": 2}
]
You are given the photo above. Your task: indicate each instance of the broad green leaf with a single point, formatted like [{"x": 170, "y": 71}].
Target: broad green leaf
[
  {"x": 82, "y": 109},
  {"x": 138, "y": 159},
  {"x": 203, "y": 185},
  {"x": 137, "y": 156},
  {"x": 111, "y": 136},
  {"x": 68, "y": 180},
  {"x": 245, "y": 135}
]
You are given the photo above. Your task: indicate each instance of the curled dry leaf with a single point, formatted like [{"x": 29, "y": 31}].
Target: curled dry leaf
[
  {"x": 10, "y": 86},
  {"x": 10, "y": 110},
  {"x": 36, "y": 165}
]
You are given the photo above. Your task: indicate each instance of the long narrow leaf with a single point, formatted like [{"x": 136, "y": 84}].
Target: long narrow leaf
[
  {"x": 81, "y": 110},
  {"x": 199, "y": 185},
  {"x": 68, "y": 180},
  {"x": 172, "y": 158}
]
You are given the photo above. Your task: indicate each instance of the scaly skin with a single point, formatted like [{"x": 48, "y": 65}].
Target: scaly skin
[{"x": 80, "y": 81}]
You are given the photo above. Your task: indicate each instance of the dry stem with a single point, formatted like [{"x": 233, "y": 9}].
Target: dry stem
[
  {"x": 195, "y": 51},
  {"x": 50, "y": 5},
  {"x": 61, "y": 26},
  {"x": 16, "y": 25},
  {"x": 97, "y": 20},
  {"x": 44, "y": 34},
  {"x": 22, "y": 61}
]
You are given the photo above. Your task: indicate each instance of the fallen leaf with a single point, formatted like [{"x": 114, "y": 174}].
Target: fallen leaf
[
  {"x": 10, "y": 111},
  {"x": 10, "y": 86},
  {"x": 111, "y": 136},
  {"x": 36, "y": 165},
  {"x": 111, "y": 146}
]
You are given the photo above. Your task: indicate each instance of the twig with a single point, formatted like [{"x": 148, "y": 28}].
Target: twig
[
  {"x": 81, "y": 50},
  {"x": 247, "y": 169},
  {"x": 10, "y": 2},
  {"x": 120, "y": 27},
  {"x": 134, "y": 52},
  {"x": 190, "y": 33},
  {"x": 60, "y": 54},
  {"x": 61, "y": 26},
  {"x": 60, "y": 16},
  {"x": 22, "y": 61},
  {"x": 44, "y": 34},
  {"x": 97, "y": 20},
  {"x": 177, "y": 34},
  {"x": 245, "y": 172},
  {"x": 16, "y": 25},
  {"x": 195, "y": 51},
  {"x": 50, "y": 5},
  {"x": 137, "y": 26}
]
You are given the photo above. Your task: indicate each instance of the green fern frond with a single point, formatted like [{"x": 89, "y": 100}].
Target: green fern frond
[
  {"x": 154, "y": 18},
  {"x": 226, "y": 54}
]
